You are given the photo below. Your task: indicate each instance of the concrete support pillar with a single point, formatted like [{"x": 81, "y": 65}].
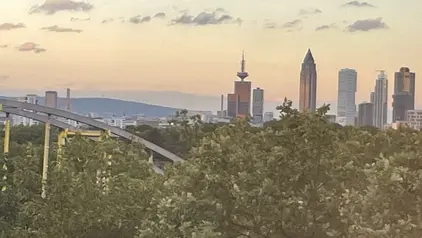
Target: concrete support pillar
[
  {"x": 151, "y": 158},
  {"x": 45, "y": 157},
  {"x": 60, "y": 142},
  {"x": 5, "y": 151},
  {"x": 6, "y": 134}
]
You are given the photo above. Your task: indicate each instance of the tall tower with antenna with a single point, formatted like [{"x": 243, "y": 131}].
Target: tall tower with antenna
[
  {"x": 242, "y": 74},
  {"x": 239, "y": 102}
]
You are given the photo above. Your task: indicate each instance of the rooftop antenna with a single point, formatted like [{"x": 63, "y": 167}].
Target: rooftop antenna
[
  {"x": 243, "y": 62},
  {"x": 242, "y": 74}
]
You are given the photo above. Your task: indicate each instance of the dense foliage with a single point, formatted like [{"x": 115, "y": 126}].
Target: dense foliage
[{"x": 297, "y": 177}]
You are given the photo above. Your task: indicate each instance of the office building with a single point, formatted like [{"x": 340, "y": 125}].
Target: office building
[
  {"x": 366, "y": 114},
  {"x": 308, "y": 84},
  {"x": 380, "y": 100},
  {"x": 268, "y": 116},
  {"x": 242, "y": 89},
  {"x": 231, "y": 105},
  {"x": 404, "y": 93},
  {"x": 51, "y": 99},
  {"x": 258, "y": 105},
  {"x": 414, "y": 119},
  {"x": 19, "y": 120},
  {"x": 346, "y": 93}
]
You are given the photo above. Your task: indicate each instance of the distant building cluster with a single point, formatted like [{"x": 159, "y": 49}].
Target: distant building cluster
[
  {"x": 240, "y": 101},
  {"x": 51, "y": 99},
  {"x": 373, "y": 113}
]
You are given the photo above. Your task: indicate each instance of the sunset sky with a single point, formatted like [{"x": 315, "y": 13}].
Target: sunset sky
[{"x": 195, "y": 46}]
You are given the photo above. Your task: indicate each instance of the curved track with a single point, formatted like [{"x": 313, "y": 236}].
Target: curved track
[
  {"x": 39, "y": 118},
  {"x": 14, "y": 106}
]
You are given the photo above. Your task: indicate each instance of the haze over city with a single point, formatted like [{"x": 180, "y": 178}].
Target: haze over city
[{"x": 195, "y": 46}]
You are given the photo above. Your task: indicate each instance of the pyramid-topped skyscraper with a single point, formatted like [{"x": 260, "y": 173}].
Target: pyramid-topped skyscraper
[{"x": 308, "y": 84}]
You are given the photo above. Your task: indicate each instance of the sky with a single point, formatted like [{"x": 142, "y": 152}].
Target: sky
[{"x": 195, "y": 46}]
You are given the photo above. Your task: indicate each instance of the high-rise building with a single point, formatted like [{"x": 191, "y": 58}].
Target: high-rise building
[
  {"x": 372, "y": 97},
  {"x": 239, "y": 102},
  {"x": 258, "y": 105},
  {"x": 51, "y": 99},
  {"x": 414, "y": 119},
  {"x": 268, "y": 116},
  {"x": 366, "y": 114},
  {"x": 308, "y": 84},
  {"x": 404, "y": 93},
  {"x": 346, "y": 105},
  {"x": 231, "y": 105},
  {"x": 380, "y": 100},
  {"x": 242, "y": 89},
  {"x": 19, "y": 120}
]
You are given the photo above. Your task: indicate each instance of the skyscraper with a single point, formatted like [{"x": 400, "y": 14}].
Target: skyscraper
[
  {"x": 380, "y": 100},
  {"x": 239, "y": 103},
  {"x": 50, "y": 99},
  {"x": 365, "y": 114},
  {"x": 404, "y": 93},
  {"x": 231, "y": 105},
  {"x": 258, "y": 105},
  {"x": 346, "y": 105},
  {"x": 242, "y": 89},
  {"x": 308, "y": 84}
]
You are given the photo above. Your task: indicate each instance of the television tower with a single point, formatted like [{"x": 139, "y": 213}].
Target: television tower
[{"x": 242, "y": 74}]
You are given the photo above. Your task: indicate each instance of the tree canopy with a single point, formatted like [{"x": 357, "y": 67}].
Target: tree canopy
[{"x": 300, "y": 176}]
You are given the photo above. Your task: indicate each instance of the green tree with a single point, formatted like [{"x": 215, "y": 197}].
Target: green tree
[{"x": 300, "y": 176}]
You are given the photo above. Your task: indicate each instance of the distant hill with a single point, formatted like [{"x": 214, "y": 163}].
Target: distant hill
[{"x": 109, "y": 106}]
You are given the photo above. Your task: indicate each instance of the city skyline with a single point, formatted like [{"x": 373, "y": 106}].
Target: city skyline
[{"x": 155, "y": 56}]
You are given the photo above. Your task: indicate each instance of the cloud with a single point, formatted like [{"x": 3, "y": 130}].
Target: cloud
[
  {"x": 79, "y": 19},
  {"x": 270, "y": 25},
  {"x": 4, "y": 77},
  {"x": 311, "y": 11},
  {"x": 31, "y": 46},
  {"x": 53, "y": 6},
  {"x": 206, "y": 18},
  {"x": 295, "y": 25},
  {"x": 108, "y": 20},
  {"x": 367, "y": 25},
  {"x": 161, "y": 15},
  {"x": 56, "y": 28},
  {"x": 220, "y": 9},
  {"x": 4, "y": 46},
  {"x": 11, "y": 26},
  {"x": 357, "y": 4},
  {"x": 325, "y": 27},
  {"x": 139, "y": 20},
  {"x": 292, "y": 24}
]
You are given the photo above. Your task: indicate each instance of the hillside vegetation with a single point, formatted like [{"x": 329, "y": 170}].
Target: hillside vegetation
[{"x": 297, "y": 177}]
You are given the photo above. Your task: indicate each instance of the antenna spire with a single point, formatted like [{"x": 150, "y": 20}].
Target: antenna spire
[
  {"x": 242, "y": 74},
  {"x": 243, "y": 62}
]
